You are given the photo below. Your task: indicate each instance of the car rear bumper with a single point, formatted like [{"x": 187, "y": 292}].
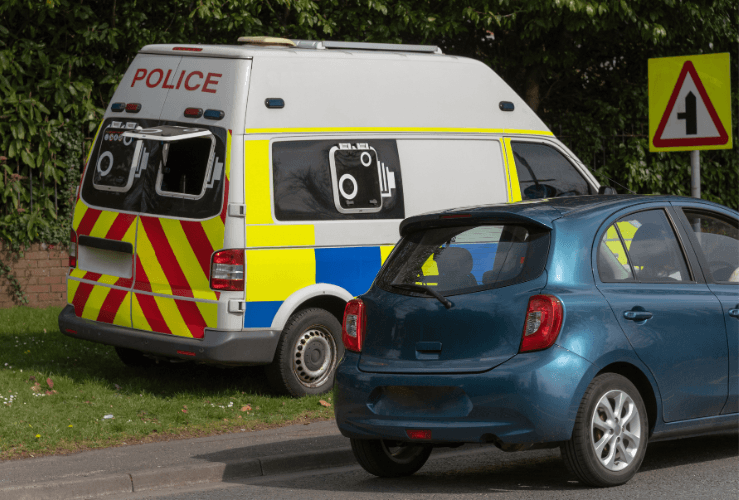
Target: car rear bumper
[
  {"x": 532, "y": 398},
  {"x": 252, "y": 347}
]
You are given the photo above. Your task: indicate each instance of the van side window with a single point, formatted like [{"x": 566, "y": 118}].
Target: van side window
[
  {"x": 544, "y": 172},
  {"x": 337, "y": 179}
]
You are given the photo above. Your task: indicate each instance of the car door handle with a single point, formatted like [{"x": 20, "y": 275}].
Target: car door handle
[
  {"x": 637, "y": 315},
  {"x": 734, "y": 313}
]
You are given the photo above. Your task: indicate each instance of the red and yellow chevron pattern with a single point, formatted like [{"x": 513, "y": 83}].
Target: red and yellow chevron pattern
[{"x": 170, "y": 292}]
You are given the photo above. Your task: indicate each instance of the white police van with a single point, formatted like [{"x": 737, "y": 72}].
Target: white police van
[{"x": 236, "y": 197}]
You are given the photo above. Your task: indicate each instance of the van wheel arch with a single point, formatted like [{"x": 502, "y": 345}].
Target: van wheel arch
[{"x": 330, "y": 303}]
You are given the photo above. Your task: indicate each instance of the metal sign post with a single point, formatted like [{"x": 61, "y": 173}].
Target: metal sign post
[{"x": 695, "y": 174}]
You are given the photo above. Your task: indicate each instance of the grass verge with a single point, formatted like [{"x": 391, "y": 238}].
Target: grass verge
[{"x": 61, "y": 395}]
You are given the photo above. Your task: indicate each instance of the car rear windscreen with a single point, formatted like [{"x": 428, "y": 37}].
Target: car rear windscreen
[{"x": 465, "y": 259}]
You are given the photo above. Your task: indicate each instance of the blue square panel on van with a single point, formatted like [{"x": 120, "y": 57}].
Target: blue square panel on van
[
  {"x": 352, "y": 268},
  {"x": 260, "y": 314}
]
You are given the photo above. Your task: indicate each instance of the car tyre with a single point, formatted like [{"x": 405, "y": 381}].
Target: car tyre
[
  {"x": 609, "y": 439},
  {"x": 134, "y": 358},
  {"x": 309, "y": 350},
  {"x": 389, "y": 458}
]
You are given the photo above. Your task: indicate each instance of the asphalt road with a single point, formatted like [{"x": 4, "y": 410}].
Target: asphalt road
[{"x": 694, "y": 468}]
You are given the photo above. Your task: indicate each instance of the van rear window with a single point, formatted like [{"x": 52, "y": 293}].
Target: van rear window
[
  {"x": 465, "y": 259},
  {"x": 167, "y": 169}
]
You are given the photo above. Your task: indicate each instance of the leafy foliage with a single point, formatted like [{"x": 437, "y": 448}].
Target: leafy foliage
[{"x": 581, "y": 64}]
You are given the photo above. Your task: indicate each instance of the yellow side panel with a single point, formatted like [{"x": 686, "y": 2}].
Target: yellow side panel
[
  {"x": 256, "y": 182},
  {"x": 280, "y": 236},
  {"x": 273, "y": 275},
  {"x": 385, "y": 252}
]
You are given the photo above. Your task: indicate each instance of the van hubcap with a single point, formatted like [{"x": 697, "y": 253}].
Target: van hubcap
[
  {"x": 615, "y": 430},
  {"x": 314, "y": 355}
]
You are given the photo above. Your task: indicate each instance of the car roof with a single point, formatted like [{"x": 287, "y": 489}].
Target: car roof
[{"x": 541, "y": 212}]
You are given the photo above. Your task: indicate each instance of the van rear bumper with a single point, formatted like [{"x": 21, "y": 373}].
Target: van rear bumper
[{"x": 253, "y": 347}]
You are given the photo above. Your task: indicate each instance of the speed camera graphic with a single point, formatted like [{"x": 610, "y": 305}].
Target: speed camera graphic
[{"x": 360, "y": 179}]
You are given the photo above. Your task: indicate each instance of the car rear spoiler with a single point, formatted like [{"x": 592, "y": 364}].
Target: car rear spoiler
[{"x": 471, "y": 217}]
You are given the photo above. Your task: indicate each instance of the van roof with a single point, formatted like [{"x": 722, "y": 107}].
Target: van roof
[{"x": 371, "y": 89}]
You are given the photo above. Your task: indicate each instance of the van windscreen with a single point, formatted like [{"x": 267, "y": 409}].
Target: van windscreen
[
  {"x": 465, "y": 259},
  {"x": 157, "y": 169}
]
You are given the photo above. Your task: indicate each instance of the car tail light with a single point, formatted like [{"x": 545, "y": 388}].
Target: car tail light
[
  {"x": 543, "y": 322},
  {"x": 227, "y": 270},
  {"x": 418, "y": 433},
  {"x": 355, "y": 322},
  {"x": 72, "y": 248}
]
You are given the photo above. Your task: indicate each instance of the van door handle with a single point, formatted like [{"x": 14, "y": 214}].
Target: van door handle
[
  {"x": 734, "y": 313},
  {"x": 637, "y": 315}
]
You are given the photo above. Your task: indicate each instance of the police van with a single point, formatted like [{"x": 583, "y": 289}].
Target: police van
[{"x": 236, "y": 197}]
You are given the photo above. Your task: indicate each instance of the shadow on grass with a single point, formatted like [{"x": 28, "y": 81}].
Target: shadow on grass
[{"x": 31, "y": 341}]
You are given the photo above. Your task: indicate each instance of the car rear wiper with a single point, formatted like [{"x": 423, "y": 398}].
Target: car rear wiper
[{"x": 424, "y": 289}]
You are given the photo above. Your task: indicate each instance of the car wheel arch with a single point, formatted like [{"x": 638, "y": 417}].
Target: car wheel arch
[{"x": 644, "y": 385}]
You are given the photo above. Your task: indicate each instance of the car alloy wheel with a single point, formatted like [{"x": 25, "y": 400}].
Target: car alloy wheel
[{"x": 615, "y": 430}]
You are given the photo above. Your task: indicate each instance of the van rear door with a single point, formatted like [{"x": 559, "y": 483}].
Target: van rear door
[{"x": 175, "y": 168}]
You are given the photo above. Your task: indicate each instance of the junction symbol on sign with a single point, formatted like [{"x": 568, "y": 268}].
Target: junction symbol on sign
[{"x": 690, "y": 118}]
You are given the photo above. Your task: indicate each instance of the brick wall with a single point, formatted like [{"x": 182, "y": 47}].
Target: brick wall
[{"x": 41, "y": 272}]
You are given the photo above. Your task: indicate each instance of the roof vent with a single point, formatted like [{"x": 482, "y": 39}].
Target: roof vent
[{"x": 266, "y": 40}]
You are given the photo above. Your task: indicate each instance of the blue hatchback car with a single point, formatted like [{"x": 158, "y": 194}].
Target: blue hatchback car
[{"x": 594, "y": 324}]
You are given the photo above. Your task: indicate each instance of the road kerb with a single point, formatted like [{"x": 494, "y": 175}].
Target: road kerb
[{"x": 167, "y": 477}]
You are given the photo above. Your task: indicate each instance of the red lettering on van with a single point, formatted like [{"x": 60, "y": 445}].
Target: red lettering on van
[
  {"x": 166, "y": 79},
  {"x": 148, "y": 79},
  {"x": 209, "y": 81},
  {"x": 182, "y": 75},
  {"x": 187, "y": 80},
  {"x": 140, "y": 74}
]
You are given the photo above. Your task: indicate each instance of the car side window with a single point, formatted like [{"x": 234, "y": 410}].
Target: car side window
[
  {"x": 613, "y": 264},
  {"x": 718, "y": 238},
  {"x": 652, "y": 248},
  {"x": 544, "y": 172}
]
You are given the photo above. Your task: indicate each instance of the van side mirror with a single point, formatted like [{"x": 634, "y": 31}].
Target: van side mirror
[{"x": 606, "y": 190}]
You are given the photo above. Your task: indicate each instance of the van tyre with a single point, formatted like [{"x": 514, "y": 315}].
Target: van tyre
[
  {"x": 309, "y": 350},
  {"x": 134, "y": 358},
  {"x": 610, "y": 435},
  {"x": 389, "y": 458}
]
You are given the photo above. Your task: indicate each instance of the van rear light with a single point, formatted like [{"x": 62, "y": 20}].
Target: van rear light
[
  {"x": 72, "y": 248},
  {"x": 353, "y": 326},
  {"x": 133, "y": 107},
  {"x": 543, "y": 322},
  {"x": 227, "y": 270},
  {"x": 188, "y": 49}
]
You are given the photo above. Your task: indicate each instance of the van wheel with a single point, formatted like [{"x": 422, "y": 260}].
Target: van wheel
[
  {"x": 389, "y": 458},
  {"x": 134, "y": 358},
  {"x": 610, "y": 435},
  {"x": 309, "y": 350}
]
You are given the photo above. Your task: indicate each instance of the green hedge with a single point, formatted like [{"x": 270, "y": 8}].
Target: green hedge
[{"x": 580, "y": 64}]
